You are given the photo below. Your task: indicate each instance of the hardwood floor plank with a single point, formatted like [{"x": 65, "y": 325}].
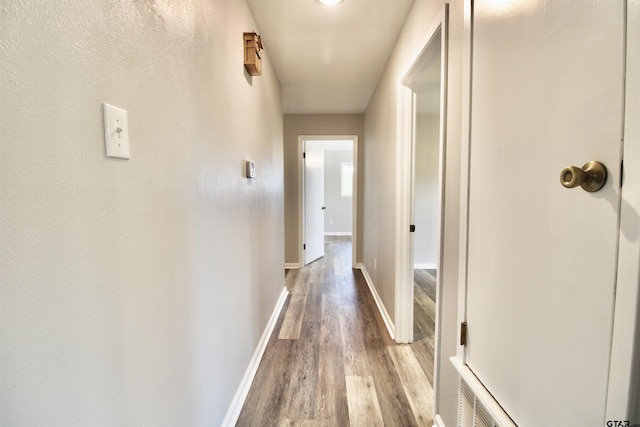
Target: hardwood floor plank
[
  {"x": 362, "y": 399},
  {"x": 332, "y": 406},
  {"x": 302, "y": 277},
  {"x": 393, "y": 402},
  {"x": 353, "y": 344},
  {"x": 290, "y": 278},
  {"x": 294, "y": 315},
  {"x": 304, "y": 374},
  {"x": 415, "y": 383},
  {"x": 423, "y": 350},
  {"x": 423, "y": 300},
  {"x": 267, "y": 396},
  {"x": 330, "y": 333},
  {"x": 316, "y": 271},
  {"x": 313, "y": 308}
]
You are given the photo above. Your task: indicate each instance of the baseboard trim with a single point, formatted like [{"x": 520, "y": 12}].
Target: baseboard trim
[
  {"x": 231, "y": 418},
  {"x": 383, "y": 311},
  {"x": 291, "y": 265},
  {"x": 425, "y": 266},
  {"x": 438, "y": 422}
]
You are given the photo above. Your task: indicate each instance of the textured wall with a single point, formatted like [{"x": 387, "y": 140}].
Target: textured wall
[
  {"x": 314, "y": 124},
  {"x": 134, "y": 292},
  {"x": 379, "y": 184}
]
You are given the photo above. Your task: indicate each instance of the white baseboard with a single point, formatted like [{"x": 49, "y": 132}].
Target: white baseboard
[
  {"x": 425, "y": 266},
  {"x": 233, "y": 412},
  {"x": 338, "y": 233},
  {"x": 383, "y": 311},
  {"x": 291, "y": 265},
  {"x": 438, "y": 422}
]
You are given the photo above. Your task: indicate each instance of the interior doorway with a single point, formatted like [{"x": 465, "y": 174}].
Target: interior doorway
[
  {"x": 422, "y": 95},
  {"x": 328, "y": 193}
]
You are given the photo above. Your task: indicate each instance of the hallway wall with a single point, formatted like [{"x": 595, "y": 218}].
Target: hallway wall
[
  {"x": 312, "y": 124},
  {"x": 134, "y": 292},
  {"x": 378, "y": 234}
]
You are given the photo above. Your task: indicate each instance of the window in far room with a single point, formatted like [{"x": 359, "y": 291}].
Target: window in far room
[{"x": 346, "y": 179}]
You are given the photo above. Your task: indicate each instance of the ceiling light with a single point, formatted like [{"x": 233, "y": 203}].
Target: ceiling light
[{"x": 330, "y": 2}]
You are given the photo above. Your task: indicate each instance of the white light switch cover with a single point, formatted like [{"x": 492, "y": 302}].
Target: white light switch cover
[{"x": 116, "y": 131}]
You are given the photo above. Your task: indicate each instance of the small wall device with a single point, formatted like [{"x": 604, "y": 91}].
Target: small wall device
[{"x": 251, "y": 169}]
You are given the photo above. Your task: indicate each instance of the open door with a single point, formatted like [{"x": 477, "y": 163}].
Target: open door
[{"x": 314, "y": 208}]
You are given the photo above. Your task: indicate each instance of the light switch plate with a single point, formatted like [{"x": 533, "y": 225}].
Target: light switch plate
[
  {"x": 116, "y": 131},
  {"x": 251, "y": 169}
]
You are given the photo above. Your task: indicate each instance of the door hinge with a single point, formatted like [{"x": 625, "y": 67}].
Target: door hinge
[
  {"x": 304, "y": 246},
  {"x": 304, "y": 155},
  {"x": 463, "y": 333},
  {"x": 621, "y": 172},
  {"x": 412, "y": 228}
]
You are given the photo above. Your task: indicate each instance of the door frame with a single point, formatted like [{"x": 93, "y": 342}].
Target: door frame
[
  {"x": 405, "y": 147},
  {"x": 405, "y": 150},
  {"x": 624, "y": 379},
  {"x": 354, "y": 200}
]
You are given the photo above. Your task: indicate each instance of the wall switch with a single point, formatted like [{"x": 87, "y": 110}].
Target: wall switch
[{"x": 116, "y": 131}]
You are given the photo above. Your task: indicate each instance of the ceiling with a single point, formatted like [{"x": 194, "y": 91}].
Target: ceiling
[{"x": 328, "y": 58}]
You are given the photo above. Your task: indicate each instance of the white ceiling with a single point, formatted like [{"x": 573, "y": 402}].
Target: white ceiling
[{"x": 328, "y": 58}]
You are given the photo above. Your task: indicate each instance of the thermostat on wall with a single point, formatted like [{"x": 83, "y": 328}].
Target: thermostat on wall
[{"x": 251, "y": 169}]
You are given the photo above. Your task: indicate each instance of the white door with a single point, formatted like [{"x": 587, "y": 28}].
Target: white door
[
  {"x": 547, "y": 81},
  {"x": 313, "y": 202}
]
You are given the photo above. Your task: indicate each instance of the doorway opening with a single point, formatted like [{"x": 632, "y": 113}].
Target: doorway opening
[
  {"x": 328, "y": 171},
  {"x": 421, "y": 159}
]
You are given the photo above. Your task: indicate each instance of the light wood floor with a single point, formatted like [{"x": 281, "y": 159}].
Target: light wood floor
[{"x": 330, "y": 360}]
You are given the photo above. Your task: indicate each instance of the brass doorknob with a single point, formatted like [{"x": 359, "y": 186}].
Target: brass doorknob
[{"x": 591, "y": 177}]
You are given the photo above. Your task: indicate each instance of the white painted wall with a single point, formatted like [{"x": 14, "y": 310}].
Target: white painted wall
[
  {"x": 425, "y": 252},
  {"x": 134, "y": 292},
  {"x": 337, "y": 216},
  {"x": 379, "y": 196}
]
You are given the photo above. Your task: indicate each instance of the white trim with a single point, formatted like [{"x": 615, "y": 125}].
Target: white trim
[
  {"x": 624, "y": 380},
  {"x": 405, "y": 176},
  {"x": 292, "y": 266},
  {"x": 404, "y": 212},
  {"x": 354, "y": 204},
  {"x": 438, "y": 421},
  {"x": 465, "y": 155},
  {"x": 337, "y": 233},
  {"x": 233, "y": 412},
  {"x": 444, "y": 105},
  {"x": 425, "y": 266},
  {"x": 383, "y": 311},
  {"x": 482, "y": 394},
  {"x": 354, "y": 198}
]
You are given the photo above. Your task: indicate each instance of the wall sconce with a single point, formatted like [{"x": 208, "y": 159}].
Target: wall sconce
[{"x": 252, "y": 51}]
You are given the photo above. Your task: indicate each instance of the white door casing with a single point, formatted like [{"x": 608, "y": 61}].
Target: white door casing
[
  {"x": 541, "y": 260},
  {"x": 313, "y": 202},
  {"x": 434, "y": 42},
  {"x": 329, "y": 140}
]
